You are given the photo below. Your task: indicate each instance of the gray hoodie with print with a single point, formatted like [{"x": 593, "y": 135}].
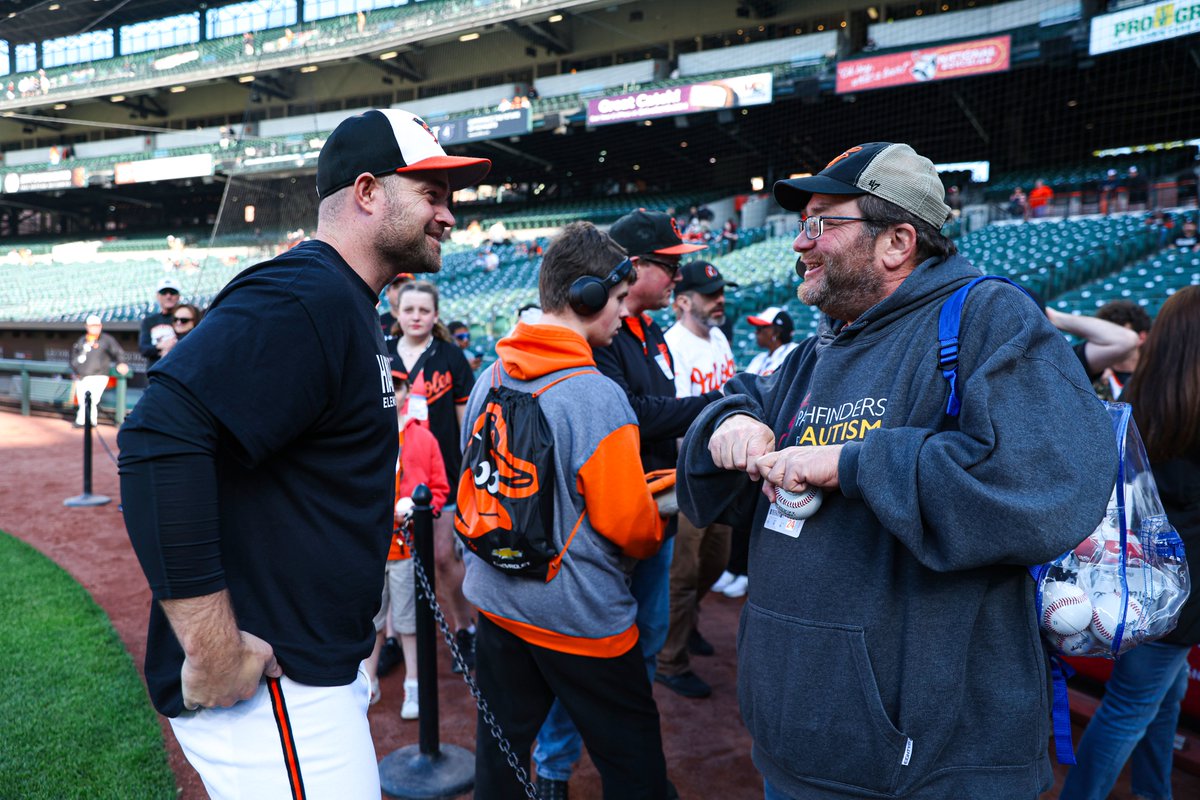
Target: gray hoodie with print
[{"x": 889, "y": 648}]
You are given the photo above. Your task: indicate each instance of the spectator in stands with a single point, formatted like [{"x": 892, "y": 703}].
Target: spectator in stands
[
  {"x": 157, "y": 333},
  {"x": 1141, "y": 700},
  {"x": 93, "y": 356},
  {"x": 642, "y": 365},
  {"x": 1186, "y": 240},
  {"x": 439, "y": 371},
  {"x": 1131, "y": 316},
  {"x": 183, "y": 321},
  {"x": 1137, "y": 189},
  {"x": 1104, "y": 344},
  {"x": 1163, "y": 225},
  {"x": 1108, "y": 191},
  {"x": 1040, "y": 198},
  {"x": 954, "y": 200},
  {"x": 729, "y": 235},
  {"x": 462, "y": 337},
  {"x": 1018, "y": 205},
  {"x": 1187, "y": 194},
  {"x": 861, "y": 616}
]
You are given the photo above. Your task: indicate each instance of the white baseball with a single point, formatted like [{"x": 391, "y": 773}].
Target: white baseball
[
  {"x": 1065, "y": 608},
  {"x": 1106, "y": 615},
  {"x": 1072, "y": 644},
  {"x": 798, "y": 505}
]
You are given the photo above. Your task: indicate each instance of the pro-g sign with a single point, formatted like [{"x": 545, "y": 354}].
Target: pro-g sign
[{"x": 1143, "y": 25}]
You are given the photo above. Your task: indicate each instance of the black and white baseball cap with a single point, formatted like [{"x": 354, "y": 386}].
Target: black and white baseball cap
[
  {"x": 383, "y": 141},
  {"x": 892, "y": 172}
]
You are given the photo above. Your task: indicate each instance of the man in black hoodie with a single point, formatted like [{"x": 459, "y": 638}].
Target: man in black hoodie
[{"x": 889, "y": 645}]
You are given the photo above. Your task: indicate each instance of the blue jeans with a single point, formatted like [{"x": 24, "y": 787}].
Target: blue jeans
[
  {"x": 1138, "y": 717},
  {"x": 559, "y": 744}
]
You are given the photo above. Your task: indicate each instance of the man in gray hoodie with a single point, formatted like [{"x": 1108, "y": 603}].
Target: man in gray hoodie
[{"x": 889, "y": 646}]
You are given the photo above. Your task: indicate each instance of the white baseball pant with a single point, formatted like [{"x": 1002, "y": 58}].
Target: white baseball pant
[{"x": 288, "y": 741}]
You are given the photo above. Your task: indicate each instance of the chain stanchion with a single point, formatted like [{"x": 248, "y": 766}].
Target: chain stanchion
[
  {"x": 87, "y": 499},
  {"x": 428, "y": 769}
]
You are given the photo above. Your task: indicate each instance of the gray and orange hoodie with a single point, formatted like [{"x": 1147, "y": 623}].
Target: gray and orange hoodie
[{"x": 602, "y": 505}]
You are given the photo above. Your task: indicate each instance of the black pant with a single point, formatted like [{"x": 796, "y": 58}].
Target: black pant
[{"x": 609, "y": 700}]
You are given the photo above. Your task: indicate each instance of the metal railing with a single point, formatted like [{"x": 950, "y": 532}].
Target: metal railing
[{"x": 24, "y": 370}]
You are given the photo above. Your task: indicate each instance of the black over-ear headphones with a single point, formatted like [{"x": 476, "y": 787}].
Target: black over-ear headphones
[{"x": 589, "y": 295}]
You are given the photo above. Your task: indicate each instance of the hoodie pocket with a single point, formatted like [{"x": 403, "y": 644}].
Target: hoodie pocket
[{"x": 809, "y": 698}]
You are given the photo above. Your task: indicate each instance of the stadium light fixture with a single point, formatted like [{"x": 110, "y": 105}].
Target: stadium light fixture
[
  {"x": 117, "y": 98},
  {"x": 246, "y": 79},
  {"x": 60, "y": 106},
  {"x": 54, "y": 7},
  {"x": 389, "y": 55},
  {"x": 469, "y": 37},
  {"x": 555, "y": 18},
  {"x": 309, "y": 68},
  {"x": 757, "y": 184},
  {"x": 873, "y": 13},
  {"x": 178, "y": 89}
]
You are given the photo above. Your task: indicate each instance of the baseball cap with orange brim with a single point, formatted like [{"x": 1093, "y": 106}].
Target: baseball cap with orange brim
[
  {"x": 644, "y": 232},
  {"x": 383, "y": 141}
]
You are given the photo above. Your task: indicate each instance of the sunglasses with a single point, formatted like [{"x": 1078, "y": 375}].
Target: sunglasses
[
  {"x": 672, "y": 269},
  {"x": 462, "y": 336},
  {"x": 177, "y": 320}
]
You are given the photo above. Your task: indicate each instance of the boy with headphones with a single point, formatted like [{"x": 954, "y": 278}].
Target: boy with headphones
[{"x": 572, "y": 637}]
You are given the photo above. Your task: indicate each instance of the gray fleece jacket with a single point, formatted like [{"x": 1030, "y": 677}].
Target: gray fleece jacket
[{"x": 891, "y": 648}]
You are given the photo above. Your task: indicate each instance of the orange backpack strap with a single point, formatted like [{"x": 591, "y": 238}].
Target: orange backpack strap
[
  {"x": 556, "y": 562},
  {"x": 557, "y": 381}
]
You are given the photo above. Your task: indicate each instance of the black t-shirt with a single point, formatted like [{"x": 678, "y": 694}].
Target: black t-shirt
[
  {"x": 448, "y": 384},
  {"x": 291, "y": 365}
]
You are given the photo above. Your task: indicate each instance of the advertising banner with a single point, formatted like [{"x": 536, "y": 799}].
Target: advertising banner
[
  {"x": 744, "y": 90},
  {"x": 42, "y": 181},
  {"x": 164, "y": 169},
  {"x": 517, "y": 122},
  {"x": 939, "y": 63},
  {"x": 1143, "y": 25}
]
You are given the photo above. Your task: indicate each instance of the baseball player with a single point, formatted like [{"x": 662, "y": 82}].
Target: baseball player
[{"x": 259, "y": 504}]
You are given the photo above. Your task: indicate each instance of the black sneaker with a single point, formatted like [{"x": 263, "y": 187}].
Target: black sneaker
[
  {"x": 687, "y": 684},
  {"x": 466, "y": 648},
  {"x": 697, "y": 645},
  {"x": 390, "y": 657},
  {"x": 551, "y": 789}
]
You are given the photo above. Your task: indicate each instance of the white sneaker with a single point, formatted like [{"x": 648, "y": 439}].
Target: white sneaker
[
  {"x": 410, "y": 709},
  {"x": 723, "y": 582},
  {"x": 737, "y": 587}
]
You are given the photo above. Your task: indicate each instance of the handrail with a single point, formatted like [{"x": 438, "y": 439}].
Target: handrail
[{"x": 26, "y": 368}]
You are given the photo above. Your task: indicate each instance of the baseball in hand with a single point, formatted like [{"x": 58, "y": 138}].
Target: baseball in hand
[
  {"x": 1106, "y": 615},
  {"x": 404, "y": 507},
  {"x": 1065, "y": 608},
  {"x": 798, "y": 505}
]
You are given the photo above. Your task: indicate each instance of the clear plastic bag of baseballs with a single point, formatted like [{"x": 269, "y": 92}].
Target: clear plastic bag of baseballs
[{"x": 1126, "y": 582}]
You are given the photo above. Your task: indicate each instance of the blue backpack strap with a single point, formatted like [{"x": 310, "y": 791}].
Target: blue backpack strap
[{"x": 949, "y": 321}]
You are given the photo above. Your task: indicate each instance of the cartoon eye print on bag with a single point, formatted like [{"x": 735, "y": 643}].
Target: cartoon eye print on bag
[{"x": 492, "y": 480}]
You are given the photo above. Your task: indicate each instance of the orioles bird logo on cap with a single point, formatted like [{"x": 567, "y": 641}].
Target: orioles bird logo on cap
[
  {"x": 710, "y": 271},
  {"x": 675, "y": 228},
  {"x": 846, "y": 154},
  {"x": 428, "y": 129}
]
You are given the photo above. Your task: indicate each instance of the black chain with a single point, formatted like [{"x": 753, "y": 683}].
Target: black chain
[{"x": 488, "y": 718}]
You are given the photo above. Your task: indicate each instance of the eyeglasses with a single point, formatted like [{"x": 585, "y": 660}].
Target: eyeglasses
[
  {"x": 672, "y": 269},
  {"x": 178, "y": 320},
  {"x": 464, "y": 337},
  {"x": 813, "y": 227}
]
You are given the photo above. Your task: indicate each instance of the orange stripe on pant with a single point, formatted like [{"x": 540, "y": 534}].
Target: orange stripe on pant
[{"x": 283, "y": 723}]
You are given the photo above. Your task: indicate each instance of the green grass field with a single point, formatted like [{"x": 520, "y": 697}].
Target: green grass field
[{"x": 75, "y": 721}]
